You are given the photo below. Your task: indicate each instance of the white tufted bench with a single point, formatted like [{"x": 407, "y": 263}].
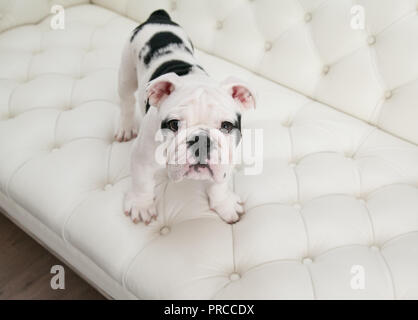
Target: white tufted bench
[{"x": 337, "y": 198}]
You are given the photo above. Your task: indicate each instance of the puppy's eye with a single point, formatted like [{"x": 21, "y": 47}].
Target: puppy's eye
[
  {"x": 227, "y": 126},
  {"x": 173, "y": 125}
]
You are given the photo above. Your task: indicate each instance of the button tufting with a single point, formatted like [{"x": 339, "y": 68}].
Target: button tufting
[
  {"x": 374, "y": 247},
  {"x": 293, "y": 163},
  {"x": 317, "y": 140},
  {"x": 362, "y": 197},
  {"x": 288, "y": 123},
  {"x": 219, "y": 24},
  {"x": 54, "y": 147},
  {"x": 268, "y": 45},
  {"x": 349, "y": 154},
  {"x": 388, "y": 94},
  {"x": 234, "y": 276},
  {"x": 371, "y": 40},
  {"x": 164, "y": 230}
]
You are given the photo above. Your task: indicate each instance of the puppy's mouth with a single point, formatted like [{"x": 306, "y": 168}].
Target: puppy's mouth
[
  {"x": 198, "y": 171},
  {"x": 199, "y": 167}
]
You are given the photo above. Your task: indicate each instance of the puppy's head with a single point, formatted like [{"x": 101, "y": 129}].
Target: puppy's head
[{"x": 201, "y": 123}]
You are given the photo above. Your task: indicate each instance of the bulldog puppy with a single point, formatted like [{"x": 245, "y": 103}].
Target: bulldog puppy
[{"x": 197, "y": 118}]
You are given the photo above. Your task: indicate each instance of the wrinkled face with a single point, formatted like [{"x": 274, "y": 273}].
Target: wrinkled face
[{"x": 200, "y": 123}]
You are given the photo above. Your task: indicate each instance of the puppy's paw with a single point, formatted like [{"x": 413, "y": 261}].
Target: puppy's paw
[
  {"x": 229, "y": 209},
  {"x": 127, "y": 129},
  {"x": 140, "y": 207}
]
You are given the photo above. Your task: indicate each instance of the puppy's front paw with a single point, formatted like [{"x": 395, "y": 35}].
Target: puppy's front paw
[
  {"x": 229, "y": 208},
  {"x": 140, "y": 207},
  {"x": 127, "y": 129}
]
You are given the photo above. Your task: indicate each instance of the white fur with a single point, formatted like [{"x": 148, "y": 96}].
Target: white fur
[{"x": 200, "y": 103}]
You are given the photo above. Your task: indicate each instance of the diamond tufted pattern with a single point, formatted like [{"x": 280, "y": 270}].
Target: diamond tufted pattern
[
  {"x": 310, "y": 46},
  {"x": 14, "y": 13},
  {"x": 335, "y": 191}
]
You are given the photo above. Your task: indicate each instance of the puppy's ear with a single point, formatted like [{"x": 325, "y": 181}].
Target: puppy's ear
[
  {"x": 240, "y": 92},
  {"x": 160, "y": 88}
]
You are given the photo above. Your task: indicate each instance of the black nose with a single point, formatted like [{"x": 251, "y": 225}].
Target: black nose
[{"x": 200, "y": 147}]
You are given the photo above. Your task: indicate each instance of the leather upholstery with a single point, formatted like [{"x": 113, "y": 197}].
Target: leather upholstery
[
  {"x": 310, "y": 46},
  {"x": 335, "y": 192},
  {"x": 15, "y": 13}
]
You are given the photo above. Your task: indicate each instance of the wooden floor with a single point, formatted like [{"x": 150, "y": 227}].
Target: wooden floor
[{"x": 25, "y": 269}]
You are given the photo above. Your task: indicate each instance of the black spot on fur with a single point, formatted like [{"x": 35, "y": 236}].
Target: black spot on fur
[
  {"x": 179, "y": 67},
  {"x": 237, "y": 125},
  {"x": 147, "y": 106},
  {"x": 159, "y": 17},
  {"x": 159, "y": 41},
  {"x": 164, "y": 123}
]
